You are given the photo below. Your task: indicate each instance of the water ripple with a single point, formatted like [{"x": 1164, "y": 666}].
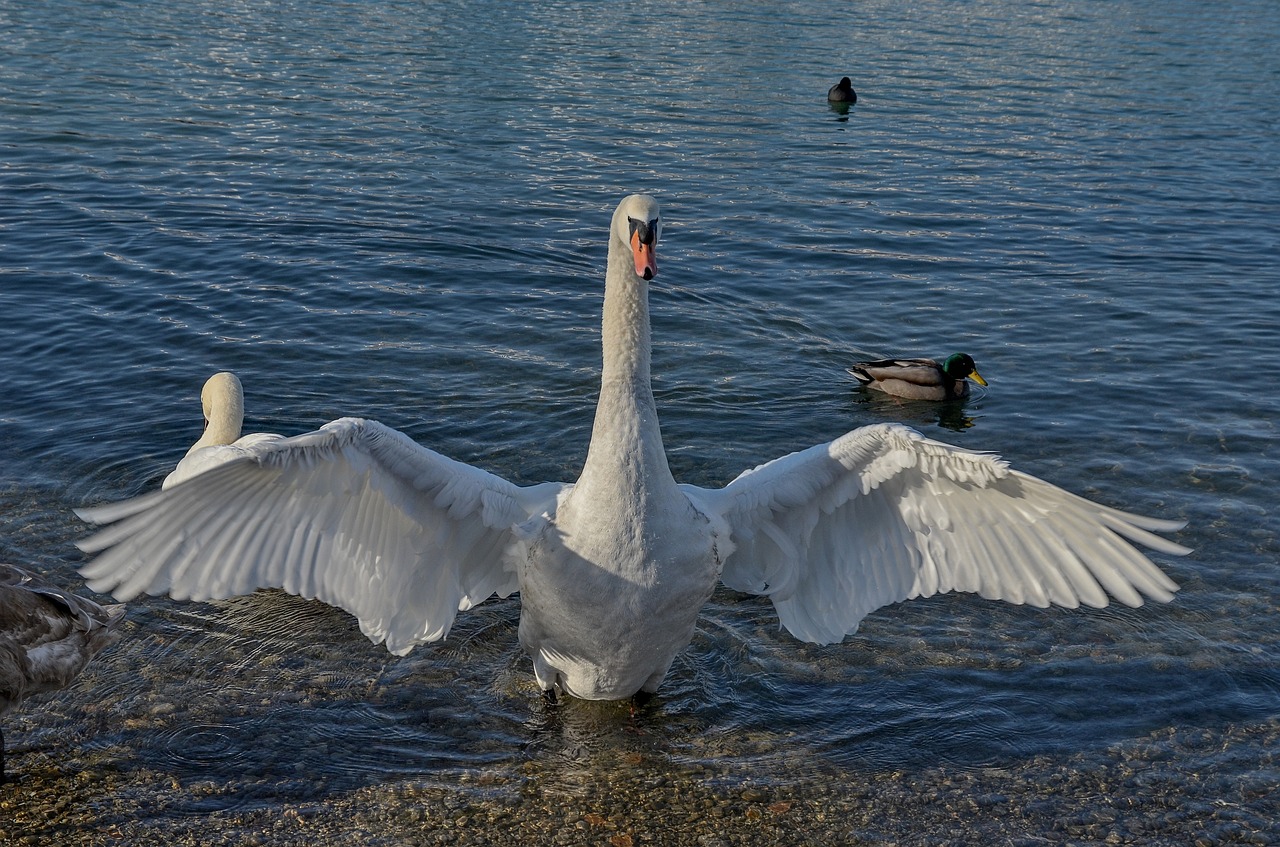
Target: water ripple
[{"x": 396, "y": 210}]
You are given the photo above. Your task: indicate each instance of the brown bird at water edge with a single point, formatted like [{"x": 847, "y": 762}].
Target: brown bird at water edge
[{"x": 47, "y": 636}]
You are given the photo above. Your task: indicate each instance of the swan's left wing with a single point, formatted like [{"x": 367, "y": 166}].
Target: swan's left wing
[
  {"x": 355, "y": 514},
  {"x": 883, "y": 514}
]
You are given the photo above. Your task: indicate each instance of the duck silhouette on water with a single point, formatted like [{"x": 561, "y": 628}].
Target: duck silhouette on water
[{"x": 842, "y": 92}]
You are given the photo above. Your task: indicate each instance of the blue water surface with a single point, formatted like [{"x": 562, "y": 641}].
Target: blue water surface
[{"x": 398, "y": 210}]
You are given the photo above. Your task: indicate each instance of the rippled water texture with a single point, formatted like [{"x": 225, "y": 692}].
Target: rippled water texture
[{"x": 398, "y": 210}]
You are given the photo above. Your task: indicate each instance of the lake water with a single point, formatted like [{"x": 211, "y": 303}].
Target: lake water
[{"x": 398, "y": 210}]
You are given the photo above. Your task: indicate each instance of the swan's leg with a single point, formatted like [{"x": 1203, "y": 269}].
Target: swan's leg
[
  {"x": 651, "y": 684},
  {"x": 543, "y": 671},
  {"x": 639, "y": 700}
]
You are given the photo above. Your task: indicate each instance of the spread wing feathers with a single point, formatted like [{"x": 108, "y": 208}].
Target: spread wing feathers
[
  {"x": 354, "y": 514},
  {"x": 883, "y": 514}
]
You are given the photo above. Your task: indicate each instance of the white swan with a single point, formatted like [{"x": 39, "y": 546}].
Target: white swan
[
  {"x": 614, "y": 569},
  {"x": 47, "y": 636},
  {"x": 222, "y": 398}
]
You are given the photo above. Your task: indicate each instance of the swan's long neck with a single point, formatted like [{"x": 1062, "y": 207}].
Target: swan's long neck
[
  {"x": 626, "y": 457},
  {"x": 223, "y": 402},
  {"x": 219, "y": 430}
]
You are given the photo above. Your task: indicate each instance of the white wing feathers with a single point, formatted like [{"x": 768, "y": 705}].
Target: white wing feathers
[
  {"x": 354, "y": 514},
  {"x": 883, "y": 514}
]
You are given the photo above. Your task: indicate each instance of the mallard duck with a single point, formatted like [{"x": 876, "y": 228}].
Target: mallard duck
[
  {"x": 842, "y": 92},
  {"x": 613, "y": 570},
  {"x": 47, "y": 636},
  {"x": 920, "y": 379}
]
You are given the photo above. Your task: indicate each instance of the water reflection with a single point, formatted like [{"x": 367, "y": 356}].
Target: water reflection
[
  {"x": 841, "y": 110},
  {"x": 373, "y": 224},
  {"x": 954, "y": 415}
]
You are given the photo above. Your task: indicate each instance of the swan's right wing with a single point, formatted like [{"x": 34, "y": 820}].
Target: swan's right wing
[
  {"x": 354, "y": 514},
  {"x": 883, "y": 514}
]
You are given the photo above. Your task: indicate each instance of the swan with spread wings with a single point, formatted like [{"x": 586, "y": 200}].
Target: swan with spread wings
[{"x": 614, "y": 568}]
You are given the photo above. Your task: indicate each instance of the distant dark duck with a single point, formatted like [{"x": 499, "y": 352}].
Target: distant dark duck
[
  {"x": 47, "y": 636},
  {"x": 920, "y": 379},
  {"x": 842, "y": 92}
]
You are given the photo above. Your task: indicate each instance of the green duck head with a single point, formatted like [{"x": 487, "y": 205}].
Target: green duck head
[{"x": 960, "y": 365}]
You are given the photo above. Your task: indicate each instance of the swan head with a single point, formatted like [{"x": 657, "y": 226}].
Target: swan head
[
  {"x": 636, "y": 223},
  {"x": 223, "y": 400}
]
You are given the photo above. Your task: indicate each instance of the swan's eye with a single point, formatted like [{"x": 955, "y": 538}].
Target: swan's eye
[{"x": 646, "y": 232}]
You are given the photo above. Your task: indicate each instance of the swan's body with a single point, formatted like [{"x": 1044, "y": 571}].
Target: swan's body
[
  {"x": 47, "y": 636},
  {"x": 842, "y": 92},
  {"x": 920, "y": 379},
  {"x": 617, "y": 577},
  {"x": 614, "y": 569}
]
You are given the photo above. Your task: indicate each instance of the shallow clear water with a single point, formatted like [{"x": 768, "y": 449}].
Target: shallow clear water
[{"x": 398, "y": 211}]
